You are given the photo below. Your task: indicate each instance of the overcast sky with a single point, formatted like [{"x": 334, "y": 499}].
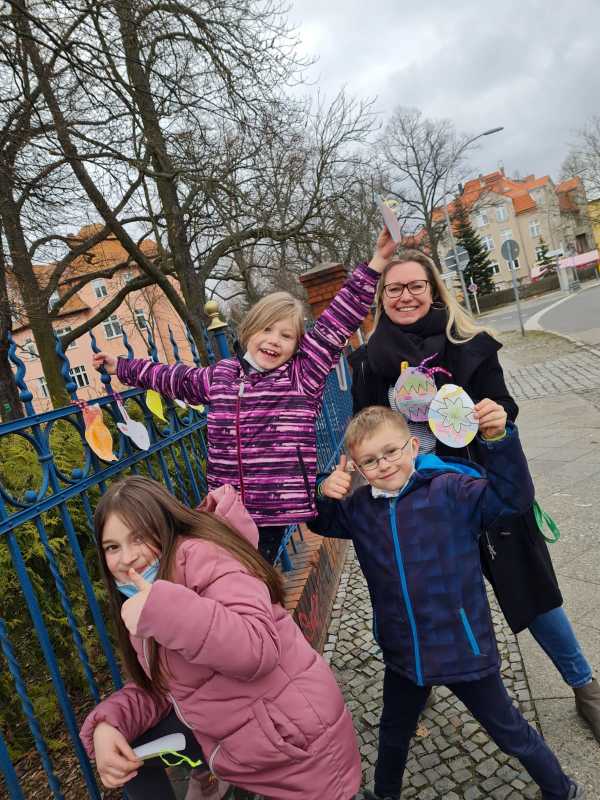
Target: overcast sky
[{"x": 530, "y": 65}]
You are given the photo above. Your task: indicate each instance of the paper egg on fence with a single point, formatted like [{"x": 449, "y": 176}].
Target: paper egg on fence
[
  {"x": 135, "y": 430},
  {"x": 451, "y": 416},
  {"x": 154, "y": 403},
  {"x": 413, "y": 393},
  {"x": 97, "y": 434}
]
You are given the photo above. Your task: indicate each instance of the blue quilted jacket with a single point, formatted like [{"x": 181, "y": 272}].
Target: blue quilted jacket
[{"x": 420, "y": 555}]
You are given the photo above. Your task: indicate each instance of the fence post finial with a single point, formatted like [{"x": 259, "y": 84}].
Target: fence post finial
[{"x": 217, "y": 327}]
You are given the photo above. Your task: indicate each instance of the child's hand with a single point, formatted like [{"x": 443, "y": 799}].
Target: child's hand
[
  {"x": 384, "y": 250},
  {"x": 131, "y": 610},
  {"x": 491, "y": 418},
  {"x": 105, "y": 360},
  {"x": 115, "y": 760},
  {"x": 337, "y": 485}
]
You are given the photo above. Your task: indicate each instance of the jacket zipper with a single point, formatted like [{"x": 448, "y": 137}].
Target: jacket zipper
[
  {"x": 238, "y": 440},
  {"x": 304, "y": 473},
  {"x": 469, "y": 632},
  {"x": 169, "y": 695},
  {"x": 407, "y": 601}
]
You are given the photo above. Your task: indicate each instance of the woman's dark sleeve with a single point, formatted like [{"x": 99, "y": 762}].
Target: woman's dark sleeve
[
  {"x": 364, "y": 390},
  {"x": 488, "y": 381}
]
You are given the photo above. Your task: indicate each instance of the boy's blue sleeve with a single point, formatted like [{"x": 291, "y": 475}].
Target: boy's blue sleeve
[
  {"x": 507, "y": 489},
  {"x": 333, "y": 518}
]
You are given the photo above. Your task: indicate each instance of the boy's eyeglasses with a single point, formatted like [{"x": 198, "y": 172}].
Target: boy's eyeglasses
[
  {"x": 415, "y": 288},
  {"x": 392, "y": 456}
]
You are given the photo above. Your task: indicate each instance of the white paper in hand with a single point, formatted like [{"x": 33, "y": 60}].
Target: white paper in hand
[
  {"x": 172, "y": 743},
  {"x": 390, "y": 218}
]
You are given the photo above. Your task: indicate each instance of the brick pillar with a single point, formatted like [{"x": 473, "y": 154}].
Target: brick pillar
[{"x": 322, "y": 283}]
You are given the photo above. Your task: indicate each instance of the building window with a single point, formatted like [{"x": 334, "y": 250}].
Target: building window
[
  {"x": 53, "y": 299},
  {"x": 581, "y": 243},
  {"x": 128, "y": 276},
  {"x": 534, "y": 228},
  {"x": 29, "y": 348},
  {"x": 495, "y": 267},
  {"x": 61, "y": 332},
  {"x": 112, "y": 327},
  {"x": 506, "y": 235},
  {"x": 43, "y": 386},
  {"x": 80, "y": 377},
  {"x": 501, "y": 213},
  {"x": 99, "y": 287},
  {"x": 481, "y": 219},
  {"x": 140, "y": 319},
  {"x": 487, "y": 242}
]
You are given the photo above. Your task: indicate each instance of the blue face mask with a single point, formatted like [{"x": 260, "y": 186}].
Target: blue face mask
[{"x": 149, "y": 574}]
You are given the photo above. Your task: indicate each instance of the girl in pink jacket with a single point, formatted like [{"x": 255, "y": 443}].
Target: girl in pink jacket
[
  {"x": 211, "y": 651},
  {"x": 263, "y": 406}
]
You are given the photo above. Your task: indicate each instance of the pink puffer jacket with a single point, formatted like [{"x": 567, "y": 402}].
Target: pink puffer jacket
[{"x": 262, "y": 703}]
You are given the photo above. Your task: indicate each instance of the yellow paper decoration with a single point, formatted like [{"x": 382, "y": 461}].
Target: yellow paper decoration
[
  {"x": 97, "y": 434},
  {"x": 154, "y": 403}
]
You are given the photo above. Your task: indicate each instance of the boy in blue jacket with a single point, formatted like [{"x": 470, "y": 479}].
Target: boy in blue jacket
[{"x": 415, "y": 529}]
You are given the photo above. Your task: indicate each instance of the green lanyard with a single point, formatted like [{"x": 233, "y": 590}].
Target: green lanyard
[
  {"x": 180, "y": 759},
  {"x": 544, "y": 521}
]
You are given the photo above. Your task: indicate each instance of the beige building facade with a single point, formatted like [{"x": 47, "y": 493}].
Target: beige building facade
[{"x": 531, "y": 211}]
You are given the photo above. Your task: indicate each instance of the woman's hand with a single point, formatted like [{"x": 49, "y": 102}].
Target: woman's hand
[
  {"x": 105, "y": 360},
  {"x": 384, "y": 250},
  {"x": 491, "y": 417},
  {"x": 337, "y": 485},
  {"x": 115, "y": 760},
  {"x": 131, "y": 610}
]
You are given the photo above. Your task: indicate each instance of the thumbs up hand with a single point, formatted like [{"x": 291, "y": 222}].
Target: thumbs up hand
[
  {"x": 131, "y": 610},
  {"x": 337, "y": 485}
]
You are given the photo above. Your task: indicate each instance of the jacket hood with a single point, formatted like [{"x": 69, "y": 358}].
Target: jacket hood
[{"x": 430, "y": 466}]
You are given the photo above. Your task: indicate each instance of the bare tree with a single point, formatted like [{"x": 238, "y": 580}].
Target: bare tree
[{"x": 420, "y": 156}]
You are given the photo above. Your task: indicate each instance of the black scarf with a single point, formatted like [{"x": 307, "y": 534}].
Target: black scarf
[{"x": 391, "y": 344}]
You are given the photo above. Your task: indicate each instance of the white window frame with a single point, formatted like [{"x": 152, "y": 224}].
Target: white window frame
[
  {"x": 495, "y": 267},
  {"x": 43, "y": 386},
  {"x": 501, "y": 213},
  {"x": 488, "y": 243},
  {"x": 535, "y": 229},
  {"x": 481, "y": 218},
  {"x": 29, "y": 348},
  {"x": 53, "y": 299},
  {"x": 61, "y": 332},
  {"x": 506, "y": 234},
  {"x": 100, "y": 288},
  {"x": 140, "y": 317},
  {"x": 80, "y": 376},
  {"x": 110, "y": 324}
]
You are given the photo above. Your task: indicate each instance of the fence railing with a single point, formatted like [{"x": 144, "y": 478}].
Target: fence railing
[{"x": 56, "y": 649}]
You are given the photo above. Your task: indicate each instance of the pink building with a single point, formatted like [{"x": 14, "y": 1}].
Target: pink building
[{"x": 142, "y": 311}]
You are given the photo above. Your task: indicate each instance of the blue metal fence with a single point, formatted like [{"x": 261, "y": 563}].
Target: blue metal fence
[{"x": 56, "y": 649}]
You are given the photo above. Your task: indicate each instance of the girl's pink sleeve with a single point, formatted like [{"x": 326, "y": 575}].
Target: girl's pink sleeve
[
  {"x": 229, "y": 628},
  {"x": 131, "y": 710},
  {"x": 177, "y": 381},
  {"x": 320, "y": 347}
]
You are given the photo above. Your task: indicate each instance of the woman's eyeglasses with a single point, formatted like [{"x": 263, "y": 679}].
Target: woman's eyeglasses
[
  {"x": 392, "y": 456},
  {"x": 415, "y": 288}
]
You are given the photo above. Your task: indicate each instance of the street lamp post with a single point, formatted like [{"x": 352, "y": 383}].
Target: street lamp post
[{"x": 447, "y": 213}]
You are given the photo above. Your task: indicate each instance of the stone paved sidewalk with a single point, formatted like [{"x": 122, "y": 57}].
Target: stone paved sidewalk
[{"x": 451, "y": 757}]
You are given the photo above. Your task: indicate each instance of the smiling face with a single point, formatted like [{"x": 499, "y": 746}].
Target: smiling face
[
  {"x": 406, "y": 309},
  {"x": 274, "y": 345},
  {"x": 399, "y": 451},
  {"x": 124, "y": 549}
]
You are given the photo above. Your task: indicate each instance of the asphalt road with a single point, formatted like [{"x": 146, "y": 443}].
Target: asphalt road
[{"x": 576, "y": 315}]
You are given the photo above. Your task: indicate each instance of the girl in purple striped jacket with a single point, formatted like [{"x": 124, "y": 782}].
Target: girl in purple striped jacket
[{"x": 263, "y": 407}]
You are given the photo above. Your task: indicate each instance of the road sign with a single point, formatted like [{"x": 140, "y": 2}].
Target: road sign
[
  {"x": 510, "y": 250},
  {"x": 472, "y": 287}
]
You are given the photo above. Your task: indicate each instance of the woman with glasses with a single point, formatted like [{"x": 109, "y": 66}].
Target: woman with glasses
[{"x": 418, "y": 320}]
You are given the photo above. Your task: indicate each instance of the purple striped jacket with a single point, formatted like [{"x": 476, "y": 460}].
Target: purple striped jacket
[{"x": 262, "y": 426}]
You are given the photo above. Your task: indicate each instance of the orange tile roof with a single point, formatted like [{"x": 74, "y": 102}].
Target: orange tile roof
[{"x": 568, "y": 185}]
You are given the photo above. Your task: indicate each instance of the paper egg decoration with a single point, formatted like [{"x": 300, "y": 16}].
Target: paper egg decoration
[
  {"x": 413, "y": 393},
  {"x": 451, "y": 416}
]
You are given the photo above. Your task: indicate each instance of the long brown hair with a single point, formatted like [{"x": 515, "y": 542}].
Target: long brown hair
[
  {"x": 461, "y": 327},
  {"x": 146, "y": 506}
]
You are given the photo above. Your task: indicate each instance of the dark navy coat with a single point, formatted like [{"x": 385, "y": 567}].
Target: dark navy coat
[{"x": 420, "y": 555}]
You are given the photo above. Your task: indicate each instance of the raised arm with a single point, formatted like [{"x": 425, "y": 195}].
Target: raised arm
[{"x": 320, "y": 348}]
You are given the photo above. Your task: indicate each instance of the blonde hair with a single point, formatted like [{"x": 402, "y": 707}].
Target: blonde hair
[
  {"x": 270, "y": 309},
  {"x": 367, "y": 421},
  {"x": 461, "y": 327}
]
